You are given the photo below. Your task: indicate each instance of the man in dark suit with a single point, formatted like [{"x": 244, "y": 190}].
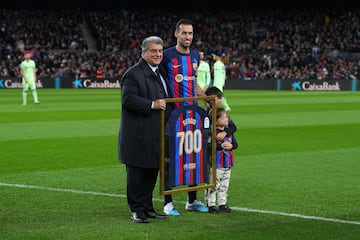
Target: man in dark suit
[{"x": 143, "y": 93}]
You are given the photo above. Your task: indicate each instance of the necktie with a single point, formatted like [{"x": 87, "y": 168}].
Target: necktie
[{"x": 162, "y": 81}]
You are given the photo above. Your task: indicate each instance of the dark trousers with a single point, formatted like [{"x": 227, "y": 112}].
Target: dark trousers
[{"x": 140, "y": 184}]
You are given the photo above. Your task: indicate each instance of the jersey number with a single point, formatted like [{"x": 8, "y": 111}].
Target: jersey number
[{"x": 189, "y": 141}]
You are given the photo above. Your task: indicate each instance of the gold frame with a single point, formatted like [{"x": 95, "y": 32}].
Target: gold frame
[{"x": 212, "y": 184}]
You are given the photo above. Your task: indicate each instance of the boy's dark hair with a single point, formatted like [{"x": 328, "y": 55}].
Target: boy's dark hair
[
  {"x": 219, "y": 112},
  {"x": 214, "y": 91}
]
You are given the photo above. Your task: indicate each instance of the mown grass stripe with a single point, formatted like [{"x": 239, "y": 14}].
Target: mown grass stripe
[
  {"x": 53, "y": 129},
  {"x": 160, "y": 200}
]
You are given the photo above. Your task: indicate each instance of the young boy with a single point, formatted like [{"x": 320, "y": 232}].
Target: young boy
[
  {"x": 224, "y": 163},
  {"x": 214, "y": 91},
  {"x": 223, "y": 132}
]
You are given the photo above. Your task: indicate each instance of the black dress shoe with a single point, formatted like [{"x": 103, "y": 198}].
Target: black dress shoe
[
  {"x": 153, "y": 214},
  {"x": 138, "y": 217}
]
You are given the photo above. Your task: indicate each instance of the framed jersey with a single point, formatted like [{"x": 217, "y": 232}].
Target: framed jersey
[{"x": 186, "y": 148}]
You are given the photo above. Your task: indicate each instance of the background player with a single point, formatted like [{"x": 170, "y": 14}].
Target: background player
[
  {"x": 220, "y": 77},
  {"x": 28, "y": 73}
]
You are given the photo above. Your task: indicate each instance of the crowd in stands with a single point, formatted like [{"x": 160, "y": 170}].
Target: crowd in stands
[{"x": 257, "y": 44}]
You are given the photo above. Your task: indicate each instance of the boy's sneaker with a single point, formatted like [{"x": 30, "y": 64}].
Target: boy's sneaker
[
  {"x": 224, "y": 209},
  {"x": 170, "y": 210},
  {"x": 37, "y": 102},
  {"x": 213, "y": 209},
  {"x": 196, "y": 206}
]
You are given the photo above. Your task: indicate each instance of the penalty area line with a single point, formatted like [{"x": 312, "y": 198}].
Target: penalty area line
[{"x": 160, "y": 200}]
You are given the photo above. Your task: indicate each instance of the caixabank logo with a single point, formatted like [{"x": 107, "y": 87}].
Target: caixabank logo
[
  {"x": 313, "y": 86},
  {"x": 77, "y": 83},
  {"x": 13, "y": 83},
  {"x": 89, "y": 83}
]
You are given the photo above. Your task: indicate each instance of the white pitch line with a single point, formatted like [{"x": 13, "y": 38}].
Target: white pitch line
[
  {"x": 295, "y": 215},
  {"x": 62, "y": 190},
  {"x": 234, "y": 208}
]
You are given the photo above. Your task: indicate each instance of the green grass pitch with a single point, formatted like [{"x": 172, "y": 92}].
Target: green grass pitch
[{"x": 296, "y": 173}]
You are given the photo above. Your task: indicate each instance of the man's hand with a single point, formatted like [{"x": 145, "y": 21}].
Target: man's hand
[
  {"x": 160, "y": 104},
  {"x": 199, "y": 92}
]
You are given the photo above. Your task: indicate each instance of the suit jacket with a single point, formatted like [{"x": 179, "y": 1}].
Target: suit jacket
[{"x": 139, "y": 137}]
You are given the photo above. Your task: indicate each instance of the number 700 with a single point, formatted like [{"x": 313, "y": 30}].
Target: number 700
[{"x": 190, "y": 141}]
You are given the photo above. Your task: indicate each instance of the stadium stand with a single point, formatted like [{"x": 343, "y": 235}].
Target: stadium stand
[{"x": 321, "y": 43}]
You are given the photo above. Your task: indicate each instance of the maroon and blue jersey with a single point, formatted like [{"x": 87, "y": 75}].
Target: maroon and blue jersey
[
  {"x": 225, "y": 158},
  {"x": 187, "y": 130},
  {"x": 181, "y": 69}
]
